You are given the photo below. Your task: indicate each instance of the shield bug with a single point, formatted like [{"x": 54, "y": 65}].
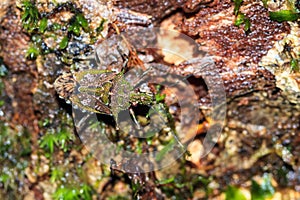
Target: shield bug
[{"x": 105, "y": 91}]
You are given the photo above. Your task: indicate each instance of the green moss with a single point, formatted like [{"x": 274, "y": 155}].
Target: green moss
[
  {"x": 38, "y": 26},
  {"x": 73, "y": 192},
  {"x": 44, "y": 123},
  {"x": 30, "y": 16},
  {"x": 33, "y": 52},
  {"x": 48, "y": 141},
  {"x": 66, "y": 193},
  {"x": 56, "y": 26},
  {"x": 59, "y": 137},
  {"x": 237, "y": 5},
  {"x": 43, "y": 25},
  {"x": 76, "y": 23},
  {"x": 294, "y": 65},
  {"x": 12, "y": 143},
  {"x": 64, "y": 43},
  {"x": 85, "y": 192},
  {"x": 284, "y": 15},
  {"x": 5, "y": 179},
  {"x": 82, "y": 22},
  {"x": 233, "y": 193},
  {"x": 63, "y": 137},
  {"x": 263, "y": 191},
  {"x": 100, "y": 28},
  {"x": 74, "y": 28},
  {"x": 56, "y": 174},
  {"x": 56, "y": 137},
  {"x": 159, "y": 97},
  {"x": 183, "y": 185},
  {"x": 15, "y": 148},
  {"x": 242, "y": 19}
]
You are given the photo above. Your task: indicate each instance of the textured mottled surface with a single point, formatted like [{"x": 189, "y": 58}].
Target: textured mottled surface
[
  {"x": 157, "y": 9},
  {"x": 213, "y": 27},
  {"x": 262, "y": 125},
  {"x": 22, "y": 72},
  {"x": 236, "y": 52},
  {"x": 262, "y": 130},
  {"x": 278, "y": 61},
  {"x": 259, "y": 125}
]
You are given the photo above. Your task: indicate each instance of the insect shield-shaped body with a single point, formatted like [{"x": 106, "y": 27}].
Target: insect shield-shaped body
[
  {"x": 105, "y": 90},
  {"x": 89, "y": 89},
  {"x": 99, "y": 91}
]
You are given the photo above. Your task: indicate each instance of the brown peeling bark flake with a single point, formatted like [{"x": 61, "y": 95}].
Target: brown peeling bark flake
[{"x": 216, "y": 33}]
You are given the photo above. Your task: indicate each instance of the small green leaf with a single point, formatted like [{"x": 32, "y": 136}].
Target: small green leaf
[
  {"x": 237, "y": 5},
  {"x": 25, "y": 15},
  {"x": 48, "y": 141},
  {"x": 86, "y": 192},
  {"x": 46, "y": 122},
  {"x": 242, "y": 19},
  {"x": 66, "y": 193},
  {"x": 30, "y": 16},
  {"x": 247, "y": 25},
  {"x": 239, "y": 19},
  {"x": 75, "y": 28},
  {"x": 294, "y": 65},
  {"x": 4, "y": 177},
  {"x": 76, "y": 23},
  {"x": 63, "y": 137},
  {"x": 82, "y": 21},
  {"x": 160, "y": 97},
  {"x": 56, "y": 26},
  {"x": 56, "y": 174},
  {"x": 233, "y": 193},
  {"x": 64, "y": 42},
  {"x": 32, "y": 52},
  {"x": 43, "y": 25},
  {"x": 284, "y": 15}
]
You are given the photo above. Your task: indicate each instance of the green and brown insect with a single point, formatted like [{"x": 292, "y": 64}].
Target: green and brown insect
[
  {"x": 98, "y": 90},
  {"x": 104, "y": 91}
]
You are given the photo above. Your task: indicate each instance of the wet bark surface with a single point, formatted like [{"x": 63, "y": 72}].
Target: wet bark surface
[{"x": 262, "y": 128}]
